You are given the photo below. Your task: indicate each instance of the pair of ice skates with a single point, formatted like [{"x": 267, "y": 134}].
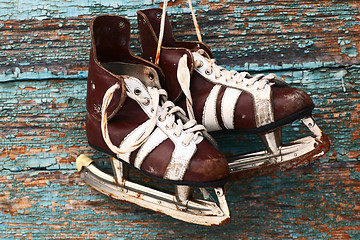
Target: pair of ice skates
[{"x": 133, "y": 115}]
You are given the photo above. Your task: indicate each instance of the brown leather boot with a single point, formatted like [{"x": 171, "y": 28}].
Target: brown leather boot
[
  {"x": 130, "y": 119},
  {"x": 223, "y": 99}
]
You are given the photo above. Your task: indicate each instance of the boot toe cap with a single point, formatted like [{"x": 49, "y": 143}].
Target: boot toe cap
[
  {"x": 289, "y": 101},
  {"x": 207, "y": 165}
]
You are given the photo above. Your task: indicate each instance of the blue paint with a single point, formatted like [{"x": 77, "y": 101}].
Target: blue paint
[{"x": 45, "y": 74}]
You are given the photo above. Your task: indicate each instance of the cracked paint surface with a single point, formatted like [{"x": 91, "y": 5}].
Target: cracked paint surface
[
  {"x": 40, "y": 42},
  {"x": 44, "y": 49}
]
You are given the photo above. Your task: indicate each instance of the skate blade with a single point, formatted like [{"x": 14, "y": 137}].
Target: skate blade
[
  {"x": 195, "y": 211},
  {"x": 294, "y": 154}
]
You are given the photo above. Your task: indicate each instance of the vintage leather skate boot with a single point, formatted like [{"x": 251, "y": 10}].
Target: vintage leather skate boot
[
  {"x": 223, "y": 99},
  {"x": 130, "y": 119}
]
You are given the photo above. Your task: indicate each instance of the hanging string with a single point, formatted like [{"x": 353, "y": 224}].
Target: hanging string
[{"x": 162, "y": 28}]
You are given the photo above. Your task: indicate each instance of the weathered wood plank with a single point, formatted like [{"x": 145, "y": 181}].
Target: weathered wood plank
[
  {"x": 319, "y": 201},
  {"x": 311, "y": 44},
  {"x": 43, "y": 121},
  {"x": 256, "y": 35}
]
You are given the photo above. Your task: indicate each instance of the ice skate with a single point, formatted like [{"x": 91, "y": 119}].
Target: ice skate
[
  {"x": 231, "y": 100},
  {"x": 130, "y": 119}
]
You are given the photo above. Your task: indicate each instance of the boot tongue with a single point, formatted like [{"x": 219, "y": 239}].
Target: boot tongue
[
  {"x": 147, "y": 75},
  {"x": 169, "y": 60}
]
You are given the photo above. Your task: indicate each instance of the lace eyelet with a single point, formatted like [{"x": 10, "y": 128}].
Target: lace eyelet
[
  {"x": 208, "y": 72},
  {"x": 152, "y": 110},
  {"x": 137, "y": 91},
  {"x": 161, "y": 119},
  {"x": 175, "y": 135},
  {"x": 158, "y": 15},
  {"x": 201, "y": 63},
  {"x": 147, "y": 101}
]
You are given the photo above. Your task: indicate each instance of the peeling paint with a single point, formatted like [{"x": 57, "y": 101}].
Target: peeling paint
[
  {"x": 56, "y": 43},
  {"x": 45, "y": 74},
  {"x": 43, "y": 68}
]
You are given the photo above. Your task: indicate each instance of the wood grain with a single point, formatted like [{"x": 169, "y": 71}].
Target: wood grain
[
  {"x": 313, "y": 45},
  {"x": 250, "y": 35},
  {"x": 319, "y": 201}
]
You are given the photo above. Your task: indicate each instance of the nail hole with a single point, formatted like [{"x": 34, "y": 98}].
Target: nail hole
[{"x": 121, "y": 24}]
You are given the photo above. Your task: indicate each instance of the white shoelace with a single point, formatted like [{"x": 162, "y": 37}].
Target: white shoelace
[
  {"x": 162, "y": 27},
  {"x": 168, "y": 110},
  {"x": 221, "y": 74}
]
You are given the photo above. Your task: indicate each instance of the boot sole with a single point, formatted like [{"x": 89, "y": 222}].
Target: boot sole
[
  {"x": 269, "y": 127},
  {"x": 173, "y": 182}
]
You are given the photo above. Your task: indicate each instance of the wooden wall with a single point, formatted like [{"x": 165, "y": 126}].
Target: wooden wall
[{"x": 44, "y": 46}]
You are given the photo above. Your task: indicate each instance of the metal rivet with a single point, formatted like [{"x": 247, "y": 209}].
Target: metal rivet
[
  {"x": 158, "y": 15},
  {"x": 147, "y": 101},
  {"x": 93, "y": 86},
  {"x": 151, "y": 76}
]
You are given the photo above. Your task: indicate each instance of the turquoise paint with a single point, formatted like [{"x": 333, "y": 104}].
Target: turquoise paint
[
  {"x": 350, "y": 51},
  {"x": 320, "y": 83},
  {"x": 264, "y": 206},
  {"x": 45, "y": 74},
  {"x": 129, "y": 8},
  {"x": 285, "y": 66},
  {"x": 247, "y": 67},
  {"x": 45, "y": 9}
]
